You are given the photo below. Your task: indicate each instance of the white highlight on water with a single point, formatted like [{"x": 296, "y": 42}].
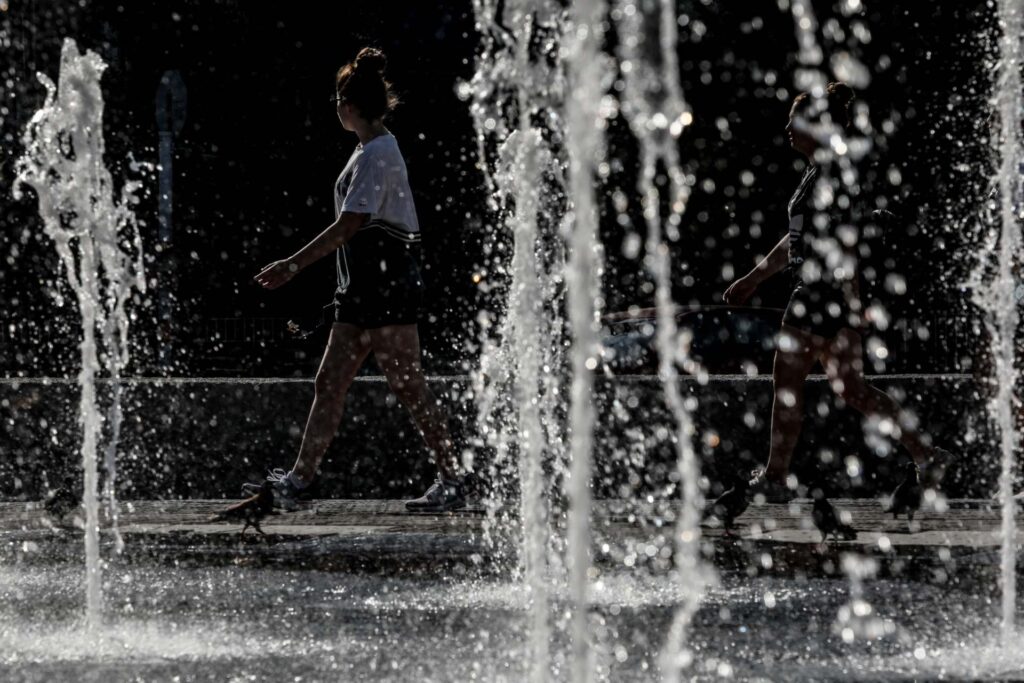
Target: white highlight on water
[{"x": 97, "y": 241}]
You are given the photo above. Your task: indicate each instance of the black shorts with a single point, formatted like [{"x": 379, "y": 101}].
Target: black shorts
[
  {"x": 820, "y": 309},
  {"x": 384, "y": 285}
]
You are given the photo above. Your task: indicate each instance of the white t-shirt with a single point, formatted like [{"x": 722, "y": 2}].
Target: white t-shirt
[{"x": 375, "y": 181}]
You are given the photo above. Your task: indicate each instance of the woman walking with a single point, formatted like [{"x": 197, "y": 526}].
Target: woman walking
[
  {"x": 375, "y": 240},
  {"x": 824, "y": 311}
]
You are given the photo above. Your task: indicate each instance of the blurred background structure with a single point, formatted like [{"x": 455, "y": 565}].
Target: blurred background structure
[{"x": 229, "y": 100}]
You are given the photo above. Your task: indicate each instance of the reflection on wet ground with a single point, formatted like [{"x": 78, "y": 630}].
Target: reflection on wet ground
[{"x": 231, "y": 623}]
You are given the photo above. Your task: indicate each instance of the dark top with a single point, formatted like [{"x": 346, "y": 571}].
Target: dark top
[
  {"x": 816, "y": 249},
  {"x": 801, "y": 214}
]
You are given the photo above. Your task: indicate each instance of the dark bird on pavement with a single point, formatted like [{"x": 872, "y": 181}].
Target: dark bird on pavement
[
  {"x": 731, "y": 504},
  {"x": 907, "y": 496},
  {"x": 61, "y": 501},
  {"x": 827, "y": 521},
  {"x": 251, "y": 510}
]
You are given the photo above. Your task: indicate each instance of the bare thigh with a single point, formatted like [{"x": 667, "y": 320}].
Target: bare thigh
[
  {"x": 795, "y": 355},
  {"x": 844, "y": 354},
  {"x": 397, "y": 350},
  {"x": 347, "y": 348}
]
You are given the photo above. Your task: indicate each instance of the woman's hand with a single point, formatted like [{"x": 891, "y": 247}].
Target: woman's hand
[
  {"x": 277, "y": 273},
  {"x": 739, "y": 291}
]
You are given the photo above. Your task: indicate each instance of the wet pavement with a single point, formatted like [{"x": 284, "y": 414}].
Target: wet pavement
[
  {"x": 261, "y": 623},
  {"x": 955, "y": 536},
  {"x": 363, "y": 591}
]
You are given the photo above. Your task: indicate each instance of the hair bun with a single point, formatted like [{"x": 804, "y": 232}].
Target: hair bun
[
  {"x": 842, "y": 92},
  {"x": 371, "y": 58}
]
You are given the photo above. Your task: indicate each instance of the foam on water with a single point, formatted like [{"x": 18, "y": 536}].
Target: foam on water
[
  {"x": 136, "y": 640},
  {"x": 204, "y": 622}
]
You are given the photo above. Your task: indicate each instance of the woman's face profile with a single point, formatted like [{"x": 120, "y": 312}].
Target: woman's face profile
[
  {"x": 798, "y": 130},
  {"x": 346, "y": 114}
]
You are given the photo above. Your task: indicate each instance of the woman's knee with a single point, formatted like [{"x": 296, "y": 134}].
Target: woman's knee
[
  {"x": 791, "y": 369},
  {"x": 410, "y": 388},
  {"x": 850, "y": 387},
  {"x": 331, "y": 381}
]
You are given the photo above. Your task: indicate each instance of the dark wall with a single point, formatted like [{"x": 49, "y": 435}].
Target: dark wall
[
  {"x": 254, "y": 164},
  {"x": 256, "y": 160},
  {"x": 203, "y": 438}
]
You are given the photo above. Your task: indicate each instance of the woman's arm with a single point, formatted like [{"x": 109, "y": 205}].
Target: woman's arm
[
  {"x": 771, "y": 264},
  {"x": 775, "y": 261},
  {"x": 334, "y": 237}
]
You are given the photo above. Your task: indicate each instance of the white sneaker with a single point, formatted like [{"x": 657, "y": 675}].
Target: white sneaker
[{"x": 286, "y": 493}]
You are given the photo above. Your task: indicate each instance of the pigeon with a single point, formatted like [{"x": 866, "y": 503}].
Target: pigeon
[
  {"x": 251, "y": 510},
  {"x": 907, "y": 496},
  {"x": 474, "y": 485},
  {"x": 61, "y": 501},
  {"x": 731, "y": 504},
  {"x": 827, "y": 521}
]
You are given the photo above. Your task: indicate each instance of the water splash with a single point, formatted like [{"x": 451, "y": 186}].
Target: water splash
[
  {"x": 526, "y": 301},
  {"x": 994, "y": 285},
  {"x": 857, "y": 619},
  {"x": 526, "y": 157},
  {"x": 98, "y": 243},
  {"x": 654, "y": 105},
  {"x": 529, "y": 130},
  {"x": 538, "y": 105},
  {"x": 585, "y": 65},
  {"x": 516, "y": 96}
]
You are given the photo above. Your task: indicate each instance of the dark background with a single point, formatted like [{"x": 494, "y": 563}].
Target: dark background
[{"x": 256, "y": 160}]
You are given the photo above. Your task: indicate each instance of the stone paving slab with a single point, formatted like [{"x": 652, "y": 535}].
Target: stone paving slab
[
  {"x": 380, "y": 534},
  {"x": 973, "y": 523}
]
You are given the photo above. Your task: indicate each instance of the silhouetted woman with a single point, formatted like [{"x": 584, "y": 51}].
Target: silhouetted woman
[
  {"x": 824, "y": 311},
  {"x": 375, "y": 240}
]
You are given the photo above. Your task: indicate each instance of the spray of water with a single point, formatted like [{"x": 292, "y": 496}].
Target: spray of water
[
  {"x": 515, "y": 103},
  {"x": 654, "y": 105},
  {"x": 525, "y": 157},
  {"x": 857, "y": 619},
  {"x": 533, "y": 499},
  {"x": 99, "y": 248},
  {"x": 532, "y": 120},
  {"x": 995, "y": 286},
  {"x": 584, "y": 146}
]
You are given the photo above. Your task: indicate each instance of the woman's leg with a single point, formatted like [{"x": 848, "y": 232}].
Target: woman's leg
[
  {"x": 397, "y": 349},
  {"x": 795, "y": 356},
  {"x": 346, "y": 350},
  {"x": 844, "y": 364}
]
